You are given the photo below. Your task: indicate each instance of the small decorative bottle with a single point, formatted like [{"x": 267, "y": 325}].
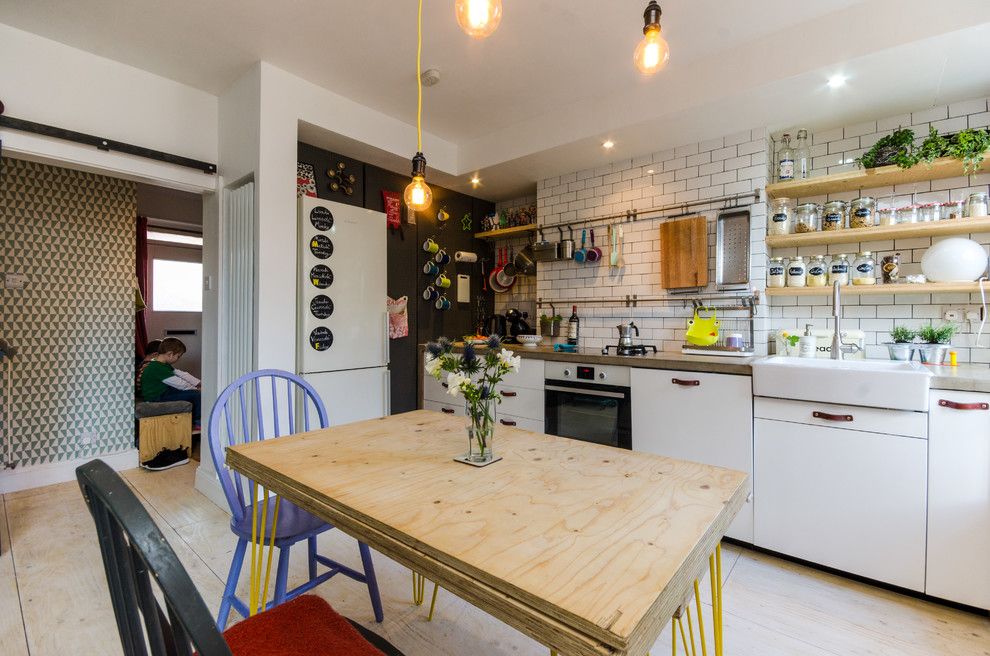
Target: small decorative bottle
[{"x": 785, "y": 159}]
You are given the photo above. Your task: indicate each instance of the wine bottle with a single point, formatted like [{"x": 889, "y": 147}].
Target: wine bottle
[{"x": 573, "y": 327}]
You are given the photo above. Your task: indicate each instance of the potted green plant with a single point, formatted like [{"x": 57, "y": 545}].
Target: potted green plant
[
  {"x": 936, "y": 342},
  {"x": 902, "y": 347},
  {"x": 550, "y": 325}
]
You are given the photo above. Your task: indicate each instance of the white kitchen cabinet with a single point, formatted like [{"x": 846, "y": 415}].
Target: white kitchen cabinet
[
  {"x": 700, "y": 417},
  {"x": 535, "y": 425},
  {"x": 453, "y": 407},
  {"x": 522, "y": 402},
  {"x": 844, "y": 498},
  {"x": 959, "y": 497}
]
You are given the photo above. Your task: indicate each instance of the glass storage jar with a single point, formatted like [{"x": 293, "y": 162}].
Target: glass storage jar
[
  {"x": 864, "y": 271},
  {"x": 797, "y": 272},
  {"x": 861, "y": 212},
  {"x": 838, "y": 270},
  {"x": 806, "y": 218},
  {"x": 780, "y": 217},
  {"x": 954, "y": 209},
  {"x": 928, "y": 212},
  {"x": 886, "y": 216},
  {"x": 976, "y": 204},
  {"x": 817, "y": 272},
  {"x": 834, "y": 215},
  {"x": 907, "y": 214},
  {"x": 776, "y": 273}
]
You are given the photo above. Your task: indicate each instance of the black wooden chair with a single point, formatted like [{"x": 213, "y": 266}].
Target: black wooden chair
[{"x": 135, "y": 553}]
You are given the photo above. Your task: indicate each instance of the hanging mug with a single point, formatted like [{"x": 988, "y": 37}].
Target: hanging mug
[
  {"x": 431, "y": 268},
  {"x": 442, "y": 215},
  {"x": 442, "y": 258},
  {"x": 431, "y": 246},
  {"x": 442, "y": 303},
  {"x": 442, "y": 281},
  {"x": 430, "y": 293}
]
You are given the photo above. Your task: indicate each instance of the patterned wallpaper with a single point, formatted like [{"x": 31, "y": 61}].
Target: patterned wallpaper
[{"x": 71, "y": 234}]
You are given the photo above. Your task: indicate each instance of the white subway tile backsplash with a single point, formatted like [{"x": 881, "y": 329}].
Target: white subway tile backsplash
[{"x": 929, "y": 115}]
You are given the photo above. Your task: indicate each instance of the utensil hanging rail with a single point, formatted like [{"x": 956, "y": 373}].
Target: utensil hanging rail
[
  {"x": 632, "y": 216},
  {"x": 747, "y": 303}
]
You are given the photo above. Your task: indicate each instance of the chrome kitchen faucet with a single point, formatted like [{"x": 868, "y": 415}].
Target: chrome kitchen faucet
[{"x": 839, "y": 348}]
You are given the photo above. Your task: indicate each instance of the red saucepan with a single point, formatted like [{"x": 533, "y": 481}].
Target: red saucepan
[{"x": 594, "y": 253}]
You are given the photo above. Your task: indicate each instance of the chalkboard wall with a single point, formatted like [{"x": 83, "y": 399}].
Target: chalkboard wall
[{"x": 406, "y": 258}]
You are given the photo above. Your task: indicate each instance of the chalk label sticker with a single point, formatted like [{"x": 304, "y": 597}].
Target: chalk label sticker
[
  {"x": 321, "y": 276},
  {"x": 321, "y": 218},
  {"x": 321, "y": 306},
  {"x": 321, "y": 247},
  {"x": 321, "y": 338}
]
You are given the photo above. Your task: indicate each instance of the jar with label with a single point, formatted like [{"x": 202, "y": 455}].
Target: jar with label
[
  {"x": 976, "y": 204},
  {"x": 907, "y": 214},
  {"x": 928, "y": 212},
  {"x": 776, "y": 273},
  {"x": 886, "y": 216},
  {"x": 954, "y": 209},
  {"x": 834, "y": 215},
  {"x": 797, "y": 272},
  {"x": 838, "y": 270},
  {"x": 806, "y": 218},
  {"x": 890, "y": 268},
  {"x": 780, "y": 217},
  {"x": 817, "y": 272},
  {"x": 861, "y": 212},
  {"x": 864, "y": 271}
]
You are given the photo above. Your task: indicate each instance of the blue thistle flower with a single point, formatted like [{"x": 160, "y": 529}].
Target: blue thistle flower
[
  {"x": 484, "y": 391},
  {"x": 469, "y": 353},
  {"x": 494, "y": 341},
  {"x": 434, "y": 349},
  {"x": 445, "y": 344}
]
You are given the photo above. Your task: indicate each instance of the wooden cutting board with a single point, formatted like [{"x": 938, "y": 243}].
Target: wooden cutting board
[{"x": 684, "y": 253}]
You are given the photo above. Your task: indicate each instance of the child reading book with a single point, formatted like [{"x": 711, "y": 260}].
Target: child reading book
[{"x": 159, "y": 380}]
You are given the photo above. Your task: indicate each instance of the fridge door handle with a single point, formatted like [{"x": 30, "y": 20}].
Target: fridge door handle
[
  {"x": 385, "y": 344},
  {"x": 388, "y": 392}
]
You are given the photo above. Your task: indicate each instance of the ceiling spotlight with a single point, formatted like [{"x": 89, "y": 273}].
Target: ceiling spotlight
[
  {"x": 650, "y": 171},
  {"x": 652, "y": 52},
  {"x": 608, "y": 144},
  {"x": 836, "y": 81},
  {"x": 476, "y": 181}
]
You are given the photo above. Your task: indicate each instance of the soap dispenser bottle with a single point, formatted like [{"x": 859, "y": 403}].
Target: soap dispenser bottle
[{"x": 808, "y": 343}]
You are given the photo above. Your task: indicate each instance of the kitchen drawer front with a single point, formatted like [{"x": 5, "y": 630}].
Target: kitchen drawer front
[
  {"x": 871, "y": 420},
  {"x": 530, "y": 375},
  {"x": 522, "y": 402},
  {"x": 846, "y": 499},
  {"x": 520, "y": 422},
  {"x": 454, "y": 408},
  {"x": 434, "y": 390}
]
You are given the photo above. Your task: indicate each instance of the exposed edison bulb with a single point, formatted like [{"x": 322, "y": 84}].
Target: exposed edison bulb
[
  {"x": 652, "y": 52},
  {"x": 418, "y": 196},
  {"x": 478, "y": 18}
]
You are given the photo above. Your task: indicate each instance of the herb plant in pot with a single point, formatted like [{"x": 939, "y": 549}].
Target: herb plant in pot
[
  {"x": 550, "y": 326},
  {"x": 936, "y": 343},
  {"x": 902, "y": 347}
]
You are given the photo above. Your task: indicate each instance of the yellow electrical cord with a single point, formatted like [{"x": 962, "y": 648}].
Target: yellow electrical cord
[{"x": 419, "y": 79}]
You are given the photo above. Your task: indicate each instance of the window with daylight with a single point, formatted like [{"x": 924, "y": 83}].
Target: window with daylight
[{"x": 176, "y": 286}]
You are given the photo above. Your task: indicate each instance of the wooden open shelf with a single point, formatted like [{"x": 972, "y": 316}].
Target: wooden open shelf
[
  {"x": 504, "y": 233},
  {"x": 883, "y": 176},
  {"x": 877, "y": 233},
  {"x": 864, "y": 290}
]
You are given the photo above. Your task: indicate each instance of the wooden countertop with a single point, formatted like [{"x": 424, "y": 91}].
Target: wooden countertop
[{"x": 586, "y": 548}]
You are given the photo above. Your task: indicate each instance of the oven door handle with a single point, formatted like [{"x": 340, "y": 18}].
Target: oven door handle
[{"x": 585, "y": 391}]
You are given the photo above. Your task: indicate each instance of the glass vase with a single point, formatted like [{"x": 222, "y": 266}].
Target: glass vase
[{"x": 481, "y": 431}]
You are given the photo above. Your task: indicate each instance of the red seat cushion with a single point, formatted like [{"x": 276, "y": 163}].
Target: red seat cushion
[{"x": 305, "y": 626}]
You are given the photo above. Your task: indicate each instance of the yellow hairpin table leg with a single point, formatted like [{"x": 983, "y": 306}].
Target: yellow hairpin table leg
[
  {"x": 261, "y": 566},
  {"x": 701, "y": 621},
  {"x": 433, "y": 602}
]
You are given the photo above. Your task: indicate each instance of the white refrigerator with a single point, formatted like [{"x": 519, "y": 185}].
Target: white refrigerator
[{"x": 342, "y": 341}]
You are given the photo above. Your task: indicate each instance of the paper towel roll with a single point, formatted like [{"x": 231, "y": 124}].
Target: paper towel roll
[{"x": 465, "y": 256}]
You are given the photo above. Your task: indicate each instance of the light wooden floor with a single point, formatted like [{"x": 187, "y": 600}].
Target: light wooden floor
[{"x": 53, "y": 598}]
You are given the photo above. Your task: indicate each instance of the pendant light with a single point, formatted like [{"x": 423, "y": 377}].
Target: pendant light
[
  {"x": 418, "y": 196},
  {"x": 478, "y": 18},
  {"x": 652, "y": 52}
]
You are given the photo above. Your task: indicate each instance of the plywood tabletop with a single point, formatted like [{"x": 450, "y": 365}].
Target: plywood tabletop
[{"x": 559, "y": 538}]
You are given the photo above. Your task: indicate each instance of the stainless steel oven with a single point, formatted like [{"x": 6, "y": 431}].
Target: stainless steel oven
[{"x": 589, "y": 403}]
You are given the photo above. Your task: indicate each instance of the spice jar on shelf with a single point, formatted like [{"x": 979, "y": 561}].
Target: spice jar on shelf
[
  {"x": 928, "y": 212},
  {"x": 886, "y": 216},
  {"x": 890, "y": 267},
  {"x": 817, "y": 272},
  {"x": 797, "y": 272},
  {"x": 907, "y": 214},
  {"x": 976, "y": 204},
  {"x": 861, "y": 212},
  {"x": 806, "y": 218},
  {"x": 838, "y": 270},
  {"x": 776, "y": 273},
  {"x": 780, "y": 217},
  {"x": 864, "y": 271},
  {"x": 954, "y": 209},
  {"x": 834, "y": 215}
]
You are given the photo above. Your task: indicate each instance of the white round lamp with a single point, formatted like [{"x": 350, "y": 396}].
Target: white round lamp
[{"x": 954, "y": 260}]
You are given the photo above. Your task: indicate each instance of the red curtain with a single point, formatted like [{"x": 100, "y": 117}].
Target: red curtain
[{"x": 141, "y": 263}]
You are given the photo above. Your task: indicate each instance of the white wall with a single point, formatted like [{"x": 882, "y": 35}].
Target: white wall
[{"x": 47, "y": 82}]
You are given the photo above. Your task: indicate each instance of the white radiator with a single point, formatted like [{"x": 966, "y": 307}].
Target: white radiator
[{"x": 237, "y": 275}]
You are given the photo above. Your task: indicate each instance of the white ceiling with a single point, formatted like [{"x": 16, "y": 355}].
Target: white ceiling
[{"x": 537, "y": 97}]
